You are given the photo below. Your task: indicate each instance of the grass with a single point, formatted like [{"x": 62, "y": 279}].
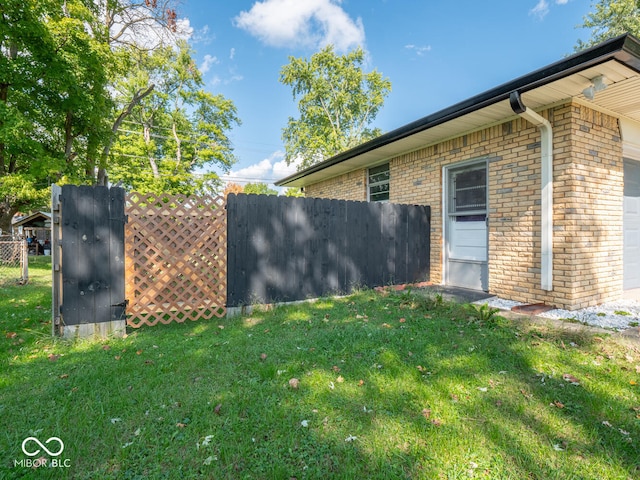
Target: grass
[{"x": 388, "y": 386}]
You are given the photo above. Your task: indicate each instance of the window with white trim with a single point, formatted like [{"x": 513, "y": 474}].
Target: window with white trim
[{"x": 378, "y": 183}]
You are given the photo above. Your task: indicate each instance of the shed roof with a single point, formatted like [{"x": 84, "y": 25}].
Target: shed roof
[
  {"x": 33, "y": 220},
  {"x": 618, "y": 60}
]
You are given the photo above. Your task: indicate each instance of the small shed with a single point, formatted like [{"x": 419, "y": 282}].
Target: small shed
[{"x": 37, "y": 227}]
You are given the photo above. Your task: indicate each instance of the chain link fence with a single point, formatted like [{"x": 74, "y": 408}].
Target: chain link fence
[{"x": 14, "y": 264}]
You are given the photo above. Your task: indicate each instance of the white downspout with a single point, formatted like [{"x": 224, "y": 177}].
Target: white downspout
[{"x": 546, "y": 132}]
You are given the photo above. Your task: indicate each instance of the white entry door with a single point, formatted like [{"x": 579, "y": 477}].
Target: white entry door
[
  {"x": 466, "y": 227},
  {"x": 631, "y": 225}
]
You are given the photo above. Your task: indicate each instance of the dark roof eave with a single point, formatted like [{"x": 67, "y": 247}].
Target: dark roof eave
[{"x": 625, "y": 49}]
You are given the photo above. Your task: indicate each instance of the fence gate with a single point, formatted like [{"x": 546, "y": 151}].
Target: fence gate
[
  {"x": 88, "y": 260},
  {"x": 175, "y": 258}
]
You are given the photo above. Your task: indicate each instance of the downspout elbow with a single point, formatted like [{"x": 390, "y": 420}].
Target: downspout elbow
[{"x": 546, "y": 146}]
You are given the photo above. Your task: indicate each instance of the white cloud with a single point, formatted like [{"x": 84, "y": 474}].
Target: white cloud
[
  {"x": 202, "y": 36},
  {"x": 267, "y": 171},
  {"x": 207, "y": 62},
  {"x": 308, "y": 23},
  {"x": 420, "y": 50},
  {"x": 232, "y": 54},
  {"x": 540, "y": 10}
]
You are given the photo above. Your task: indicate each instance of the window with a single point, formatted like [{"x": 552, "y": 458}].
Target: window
[
  {"x": 379, "y": 183},
  {"x": 468, "y": 190}
]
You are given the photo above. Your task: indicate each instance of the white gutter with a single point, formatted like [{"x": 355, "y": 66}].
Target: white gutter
[{"x": 546, "y": 132}]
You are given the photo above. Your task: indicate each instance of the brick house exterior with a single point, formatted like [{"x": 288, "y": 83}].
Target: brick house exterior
[{"x": 594, "y": 142}]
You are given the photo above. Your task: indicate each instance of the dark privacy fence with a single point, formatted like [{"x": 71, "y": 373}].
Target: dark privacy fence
[{"x": 283, "y": 249}]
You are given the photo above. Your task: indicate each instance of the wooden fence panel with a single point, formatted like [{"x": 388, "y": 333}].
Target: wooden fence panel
[
  {"x": 284, "y": 249},
  {"x": 175, "y": 258}
]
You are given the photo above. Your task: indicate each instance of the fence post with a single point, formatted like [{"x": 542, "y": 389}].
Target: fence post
[
  {"x": 24, "y": 260},
  {"x": 56, "y": 255}
]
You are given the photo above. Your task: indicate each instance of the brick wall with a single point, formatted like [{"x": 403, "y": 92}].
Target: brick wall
[
  {"x": 350, "y": 186},
  {"x": 588, "y": 189}
]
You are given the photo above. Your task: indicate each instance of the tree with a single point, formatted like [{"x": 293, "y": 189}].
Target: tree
[
  {"x": 232, "y": 187},
  {"x": 610, "y": 19},
  {"x": 58, "y": 63},
  {"x": 293, "y": 192},
  {"x": 337, "y": 103},
  {"x": 53, "y": 97},
  {"x": 259, "y": 189},
  {"x": 173, "y": 132}
]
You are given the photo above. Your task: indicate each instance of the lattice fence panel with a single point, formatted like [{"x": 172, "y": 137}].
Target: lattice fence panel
[{"x": 176, "y": 258}]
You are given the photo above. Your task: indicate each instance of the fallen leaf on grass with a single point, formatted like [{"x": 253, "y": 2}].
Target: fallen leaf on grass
[
  {"x": 526, "y": 394},
  {"x": 139, "y": 352},
  {"x": 205, "y": 442},
  {"x": 426, "y": 413},
  {"x": 340, "y": 379},
  {"x": 128, "y": 444},
  {"x": 335, "y": 368},
  {"x": 117, "y": 357},
  {"x": 64, "y": 375},
  {"x": 263, "y": 356},
  {"x": 304, "y": 423},
  {"x": 106, "y": 347},
  {"x": 483, "y": 389},
  {"x": 209, "y": 459},
  {"x": 350, "y": 438},
  {"x": 402, "y": 320},
  {"x": 53, "y": 358},
  {"x": 571, "y": 379},
  {"x": 436, "y": 422},
  {"x": 11, "y": 335},
  {"x": 217, "y": 409},
  {"x": 557, "y": 404},
  {"x": 181, "y": 425},
  {"x": 386, "y": 325},
  {"x": 557, "y": 447},
  {"x": 294, "y": 383},
  {"x": 116, "y": 420},
  {"x": 361, "y": 383}
]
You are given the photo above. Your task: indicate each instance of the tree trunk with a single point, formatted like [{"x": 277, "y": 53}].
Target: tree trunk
[
  {"x": 6, "y": 214},
  {"x": 146, "y": 130},
  {"x": 137, "y": 97},
  {"x": 178, "y": 146}
]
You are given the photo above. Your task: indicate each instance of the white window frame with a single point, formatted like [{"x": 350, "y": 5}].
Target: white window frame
[{"x": 386, "y": 181}]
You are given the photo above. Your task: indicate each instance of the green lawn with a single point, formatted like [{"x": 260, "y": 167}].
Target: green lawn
[{"x": 373, "y": 386}]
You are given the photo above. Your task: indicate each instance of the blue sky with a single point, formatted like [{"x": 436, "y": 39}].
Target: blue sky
[{"x": 435, "y": 52}]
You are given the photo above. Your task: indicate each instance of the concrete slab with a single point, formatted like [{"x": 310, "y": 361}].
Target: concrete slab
[{"x": 455, "y": 294}]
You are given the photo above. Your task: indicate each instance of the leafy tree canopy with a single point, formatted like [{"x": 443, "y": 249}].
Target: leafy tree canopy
[
  {"x": 259, "y": 189},
  {"x": 175, "y": 131},
  {"x": 609, "y": 19},
  {"x": 337, "y": 102}
]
